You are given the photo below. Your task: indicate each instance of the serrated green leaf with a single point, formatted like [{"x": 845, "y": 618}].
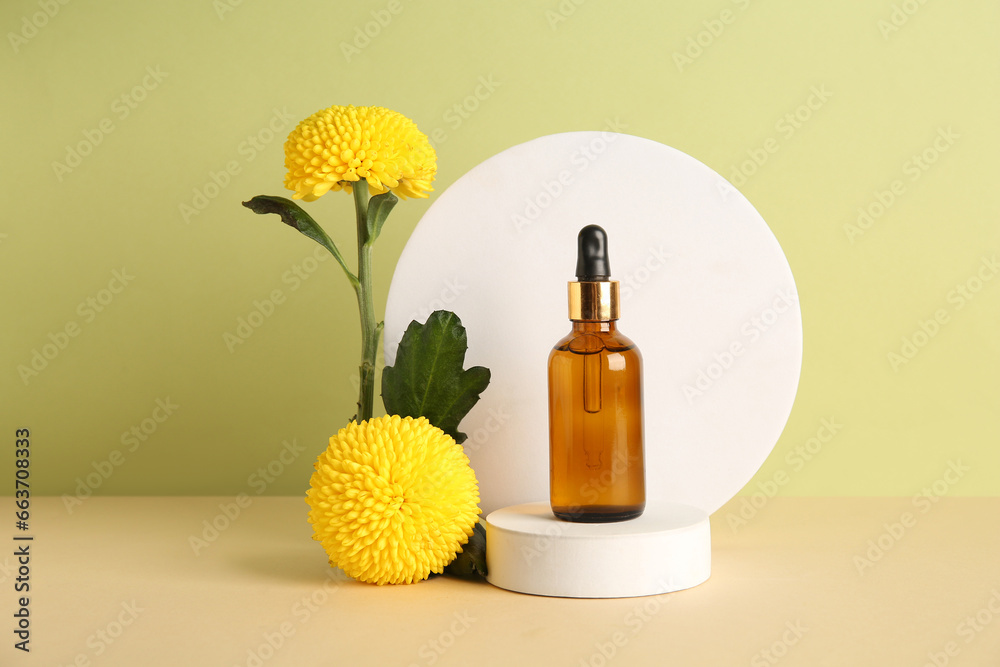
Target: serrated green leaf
[
  {"x": 295, "y": 217},
  {"x": 428, "y": 378},
  {"x": 471, "y": 563},
  {"x": 379, "y": 208}
]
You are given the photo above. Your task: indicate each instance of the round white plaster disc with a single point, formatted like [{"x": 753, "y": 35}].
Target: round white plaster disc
[
  {"x": 707, "y": 296},
  {"x": 668, "y": 548}
]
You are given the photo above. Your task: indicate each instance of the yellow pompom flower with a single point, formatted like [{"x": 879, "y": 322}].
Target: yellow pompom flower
[
  {"x": 392, "y": 500},
  {"x": 336, "y": 147}
]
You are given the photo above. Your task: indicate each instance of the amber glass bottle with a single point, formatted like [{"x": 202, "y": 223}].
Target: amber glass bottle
[{"x": 596, "y": 470}]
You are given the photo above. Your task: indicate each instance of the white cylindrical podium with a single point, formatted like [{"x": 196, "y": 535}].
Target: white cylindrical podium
[{"x": 529, "y": 550}]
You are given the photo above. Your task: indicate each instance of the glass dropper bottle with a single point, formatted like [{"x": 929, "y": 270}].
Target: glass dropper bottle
[{"x": 596, "y": 467}]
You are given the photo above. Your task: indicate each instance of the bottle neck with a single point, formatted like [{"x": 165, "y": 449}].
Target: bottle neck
[
  {"x": 608, "y": 326},
  {"x": 593, "y": 300}
]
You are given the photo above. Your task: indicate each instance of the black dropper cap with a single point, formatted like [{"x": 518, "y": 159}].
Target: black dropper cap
[{"x": 592, "y": 254}]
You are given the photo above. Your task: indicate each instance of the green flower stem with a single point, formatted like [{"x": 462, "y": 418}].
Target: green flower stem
[{"x": 370, "y": 330}]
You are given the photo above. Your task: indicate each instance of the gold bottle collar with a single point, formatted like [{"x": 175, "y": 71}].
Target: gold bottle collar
[{"x": 593, "y": 301}]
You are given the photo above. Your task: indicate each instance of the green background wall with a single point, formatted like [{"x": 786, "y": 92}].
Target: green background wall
[{"x": 166, "y": 97}]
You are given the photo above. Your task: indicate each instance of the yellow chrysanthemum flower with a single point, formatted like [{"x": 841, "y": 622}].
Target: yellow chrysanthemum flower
[
  {"x": 392, "y": 500},
  {"x": 336, "y": 147}
]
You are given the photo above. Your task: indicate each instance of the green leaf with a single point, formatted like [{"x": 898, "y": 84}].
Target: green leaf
[
  {"x": 379, "y": 208},
  {"x": 296, "y": 218},
  {"x": 428, "y": 379},
  {"x": 471, "y": 563}
]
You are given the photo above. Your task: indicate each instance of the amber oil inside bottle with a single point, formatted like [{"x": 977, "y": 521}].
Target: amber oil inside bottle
[{"x": 596, "y": 470}]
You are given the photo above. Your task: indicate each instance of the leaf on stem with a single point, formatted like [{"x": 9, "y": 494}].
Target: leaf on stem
[
  {"x": 296, "y": 218},
  {"x": 428, "y": 379},
  {"x": 379, "y": 208},
  {"x": 472, "y": 561}
]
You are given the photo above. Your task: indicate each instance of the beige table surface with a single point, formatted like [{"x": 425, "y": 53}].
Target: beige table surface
[{"x": 117, "y": 582}]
